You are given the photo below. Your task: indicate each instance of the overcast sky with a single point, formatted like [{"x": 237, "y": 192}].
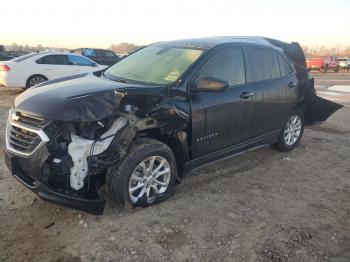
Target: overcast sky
[{"x": 82, "y": 23}]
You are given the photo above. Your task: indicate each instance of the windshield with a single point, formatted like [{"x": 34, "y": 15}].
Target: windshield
[{"x": 154, "y": 65}]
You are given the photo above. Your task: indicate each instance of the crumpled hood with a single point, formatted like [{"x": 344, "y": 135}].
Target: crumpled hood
[{"x": 79, "y": 98}]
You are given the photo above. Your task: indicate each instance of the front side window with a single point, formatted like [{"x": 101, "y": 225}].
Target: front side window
[
  {"x": 89, "y": 52},
  {"x": 155, "y": 64},
  {"x": 78, "y": 60},
  {"x": 262, "y": 65},
  {"x": 53, "y": 60},
  {"x": 226, "y": 65}
]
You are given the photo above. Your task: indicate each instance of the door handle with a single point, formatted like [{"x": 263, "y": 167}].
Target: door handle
[
  {"x": 292, "y": 84},
  {"x": 246, "y": 95}
]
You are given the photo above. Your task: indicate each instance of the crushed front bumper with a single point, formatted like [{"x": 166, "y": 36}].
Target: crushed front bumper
[{"x": 94, "y": 206}]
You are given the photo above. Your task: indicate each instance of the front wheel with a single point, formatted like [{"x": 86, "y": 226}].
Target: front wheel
[
  {"x": 144, "y": 177},
  {"x": 292, "y": 132}
]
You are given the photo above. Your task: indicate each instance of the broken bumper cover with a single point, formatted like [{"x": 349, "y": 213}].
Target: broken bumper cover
[
  {"x": 94, "y": 206},
  {"x": 319, "y": 109}
]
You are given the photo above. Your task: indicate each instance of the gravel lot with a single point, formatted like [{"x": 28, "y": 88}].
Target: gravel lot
[{"x": 260, "y": 206}]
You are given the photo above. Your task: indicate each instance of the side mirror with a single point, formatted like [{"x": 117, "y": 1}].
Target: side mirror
[{"x": 209, "y": 84}]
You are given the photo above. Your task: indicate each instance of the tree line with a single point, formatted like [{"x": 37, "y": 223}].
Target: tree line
[
  {"x": 338, "y": 51},
  {"x": 127, "y": 48}
]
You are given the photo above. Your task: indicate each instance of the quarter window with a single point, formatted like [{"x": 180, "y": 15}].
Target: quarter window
[
  {"x": 226, "y": 65},
  {"x": 263, "y": 65},
  {"x": 285, "y": 68}
]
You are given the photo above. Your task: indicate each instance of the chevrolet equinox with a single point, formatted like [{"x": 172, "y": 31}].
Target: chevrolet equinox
[{"x": 138, "y": 128}]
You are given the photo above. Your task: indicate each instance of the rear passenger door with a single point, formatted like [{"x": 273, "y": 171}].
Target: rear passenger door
[
  {"x": 54, "y": 66},
  {"x": 276, "y": 88}
]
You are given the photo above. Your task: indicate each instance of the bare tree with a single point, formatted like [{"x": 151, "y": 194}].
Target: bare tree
[{"x": 124, "y": 48}]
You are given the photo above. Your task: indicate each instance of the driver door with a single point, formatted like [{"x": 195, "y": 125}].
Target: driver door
[{"x": 222, "y": 118}]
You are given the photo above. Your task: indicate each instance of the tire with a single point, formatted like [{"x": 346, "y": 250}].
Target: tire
[
  {"x": 129, "y": 174},
  {"x": 284, "y": 144},
  {"x": 326, "y": 69},
  {"x": 35, "y": 80}
]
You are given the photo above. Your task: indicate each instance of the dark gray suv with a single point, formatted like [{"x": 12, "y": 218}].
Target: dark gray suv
[{"x": 157, "y": 114}]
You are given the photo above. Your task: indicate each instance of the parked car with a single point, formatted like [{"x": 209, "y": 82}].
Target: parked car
[
  {"x": 35, "y": 68},
  {"x": 344, "y": 63},
  {"x": 156, "y": 115},
  {"x": 101, "y": 56},
  {"x": 14, "y": 54},
  {"x": 2, "y": 50},
  {"x": 3, "y": 55},
  {"x": 323, "y": 64}
]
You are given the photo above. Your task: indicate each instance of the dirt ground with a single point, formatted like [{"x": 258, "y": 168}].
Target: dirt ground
[{"x": 260, "y": 206}]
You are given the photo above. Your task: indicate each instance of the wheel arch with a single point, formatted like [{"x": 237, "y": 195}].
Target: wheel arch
[
  {"x": 34, "y": 75},
  {"x": 177, "y": 142}
]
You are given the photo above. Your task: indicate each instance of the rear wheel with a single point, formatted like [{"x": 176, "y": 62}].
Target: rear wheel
[
  {"x": 292, "y": 132},
  {"x": 35, "y": 80},
  {"x": 145, "y": 176}
]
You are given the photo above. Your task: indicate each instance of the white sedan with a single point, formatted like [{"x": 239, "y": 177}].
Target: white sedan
[{"x": 35, "y": 68}]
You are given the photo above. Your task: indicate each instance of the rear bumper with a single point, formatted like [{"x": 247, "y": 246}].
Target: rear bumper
[
  {"x": 315, "y": 66},
  {"x": 94, "y": 206},
  {"x": 11, "y": 80},
  {"x": 3, "y": 79}
]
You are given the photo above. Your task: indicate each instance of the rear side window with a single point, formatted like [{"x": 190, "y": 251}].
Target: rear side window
[
  {"x": 226, "y": 65},
  {"x": 53, "y": 60},
  {"x": 262, "y": 65},
  {"x": 78, "y": 60},
  {"x": 285, "y": 68},
  {"x": 109, "y": 53}
]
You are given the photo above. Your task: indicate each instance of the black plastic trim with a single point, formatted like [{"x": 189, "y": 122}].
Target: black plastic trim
[{"x": 93, "y": 206}]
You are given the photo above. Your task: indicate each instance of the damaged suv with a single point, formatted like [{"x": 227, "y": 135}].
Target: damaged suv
[{"x": 139, "y": 128}]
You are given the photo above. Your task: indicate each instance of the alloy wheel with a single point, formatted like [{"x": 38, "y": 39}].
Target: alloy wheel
[
  {"x": 36, "y": 80},
  {"x": 293, "y": 130},
  {"x": 150, "y": 178}
]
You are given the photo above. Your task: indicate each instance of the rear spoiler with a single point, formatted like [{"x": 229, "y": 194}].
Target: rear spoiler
[{"x": 293, "y": 50}]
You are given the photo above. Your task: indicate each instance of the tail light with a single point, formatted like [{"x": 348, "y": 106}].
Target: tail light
[{"x": 5, "y": 68}]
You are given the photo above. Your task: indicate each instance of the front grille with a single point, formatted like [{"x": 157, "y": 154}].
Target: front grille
[
  {"x": 24, "y": 133},
  {"x": 23, "y": 140},
  {"x": 29, "y": 120}
]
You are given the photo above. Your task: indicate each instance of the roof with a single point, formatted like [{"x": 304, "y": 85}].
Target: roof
[{"x": 210, "y": 42}]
